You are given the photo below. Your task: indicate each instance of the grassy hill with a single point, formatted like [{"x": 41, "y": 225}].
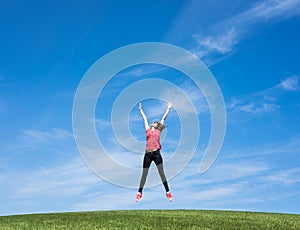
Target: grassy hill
[{"x": 152, "y": 219}]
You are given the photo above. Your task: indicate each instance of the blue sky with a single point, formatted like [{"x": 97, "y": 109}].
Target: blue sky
[{"x": 250, "y": 47}]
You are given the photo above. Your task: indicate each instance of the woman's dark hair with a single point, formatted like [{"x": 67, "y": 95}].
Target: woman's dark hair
[{"x": 160, "y": 126}]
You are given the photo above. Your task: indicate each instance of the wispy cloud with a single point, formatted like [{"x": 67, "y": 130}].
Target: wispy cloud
[
  {"x": 266, "y": 150},
  {"x": 269, "y": 10},
  {"x": 142, "y": 70},
  {"x": 248, "y": 173},
  {"x": 31, "y": 140},
  {"x": 70, "y": 178},
  {"x": 106, "y": 200},
  {"x": 291, "y": 83},
  {"x": 49, "y": 189},
  {"x": 226, "y": 171},
  {"x": 225, "y": 36},
  {"x": 229, "y": 181},
  {"x": 254, "y": 107},
  {"x": 223, "y": 43},
  {"x": 47, "y": 136},
  {"x": 102, "y": 123},
  {"x": 181, "y": 98},
  {"x": 215, "y": 193},
  {"x": 264, "y": 101},
  {"x": 285, "y": 177}
]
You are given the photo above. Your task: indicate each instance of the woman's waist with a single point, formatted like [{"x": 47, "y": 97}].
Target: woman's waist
[{"x": 151, "y": 150}]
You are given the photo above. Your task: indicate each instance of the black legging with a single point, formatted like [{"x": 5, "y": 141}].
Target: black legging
[{"x": 148, "y": 158}]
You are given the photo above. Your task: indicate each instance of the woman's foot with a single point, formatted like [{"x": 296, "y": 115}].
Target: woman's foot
[
  {"x": 138, "y": 196},
  {"x": 169, "y": 196}
]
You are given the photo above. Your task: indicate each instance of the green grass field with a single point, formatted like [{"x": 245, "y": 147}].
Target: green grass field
[{"x": 152, "y": 219}]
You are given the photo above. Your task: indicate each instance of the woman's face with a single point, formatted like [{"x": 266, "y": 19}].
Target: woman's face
[{"x": 154, "y": 124}]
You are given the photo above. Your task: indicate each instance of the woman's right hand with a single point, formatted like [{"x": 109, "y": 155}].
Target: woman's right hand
[{"x": 140, "y": 106}]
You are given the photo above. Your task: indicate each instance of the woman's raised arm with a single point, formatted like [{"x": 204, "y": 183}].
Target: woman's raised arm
[
  {"x": 144, "y": 117},
  {"x": 166, "y": 113}
]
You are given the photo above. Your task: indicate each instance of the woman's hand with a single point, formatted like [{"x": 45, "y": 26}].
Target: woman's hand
[
  {"x": 140, "y": 106},
  {"x": 170, "y": 105}
]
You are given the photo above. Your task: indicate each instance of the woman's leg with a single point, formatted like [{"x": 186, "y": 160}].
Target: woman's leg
[
  {"x": 159, "y": 164},
  {"x": 146, "y": 166}
]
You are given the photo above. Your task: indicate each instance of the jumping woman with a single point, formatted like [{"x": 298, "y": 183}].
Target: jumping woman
[{"x": 152, "y": 152}]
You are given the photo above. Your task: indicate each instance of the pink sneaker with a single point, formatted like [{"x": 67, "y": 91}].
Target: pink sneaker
[
  {"x": 169, "y": 196},
  {"x": 138, "y": 196}
]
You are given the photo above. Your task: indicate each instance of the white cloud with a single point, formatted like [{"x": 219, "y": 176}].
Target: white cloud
[
  {"x": 285, "y": 177},
  {"x": 31, "y": 140},
  {"x": 73, "y": 184},
  {"x": 47, "y": 136},
  {"x": 51, "y": 144},
  {"x": 216, "y": 193},
  {"x": 106, "y": 200},
  {"x": 181, "y": 104},
  {"x": 291, "y": 83},
  {"x": 102, "y": 123},
  {"x": 221, "y": 172},
  {"x": 270, "y": 10},
  {"x": 286, "y": 147},
  {"x": 37, "y": 169},
  {"x": 142, "y": 70},
  {"x": 264, "y": 101},
  {"x": 254, "y": 107},
  {"x": 69, "y": 179},
  {"x": 226, "y": 35},
  {"x": 223, "y": 43},
  {"x": 265, "y": 11}
]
